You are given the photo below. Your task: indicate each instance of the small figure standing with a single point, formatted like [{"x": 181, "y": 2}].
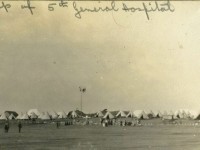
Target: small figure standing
[
  {"x": 106, "y": 122},
  {"x": 19, "y": 126},
  {"x": 6, "y": 127},
  {"x": 138, "y": 122},
  {"x": 57, "y": 124},
  {"x": 121, "y": 123}
]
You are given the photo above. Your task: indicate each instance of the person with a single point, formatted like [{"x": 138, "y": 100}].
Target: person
[
  {"x": 101, "y": 121},
  {"x": 138, "y": 122},
  {"x": 113, "y": 121},
  {"x": 121, "y": 123},
  {"x": 133, "y": 123},
  {"x": 57, "y": 124},
  {"x": 19, "y": 126},
  {"x": 6, "y": 127},
  {"x": 125, "y": 123},
  {"x": 106, "y": 122},
  {"x": 66, "y": 123}
]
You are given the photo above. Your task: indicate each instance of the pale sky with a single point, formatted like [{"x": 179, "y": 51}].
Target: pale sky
[{"x": 124, "y": 60}]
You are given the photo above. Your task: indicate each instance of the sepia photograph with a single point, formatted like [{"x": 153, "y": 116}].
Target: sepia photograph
[{"x": 99, "y": 75}]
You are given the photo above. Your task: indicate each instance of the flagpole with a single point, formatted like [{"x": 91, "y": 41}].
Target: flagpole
[{"x": 81, "y": 100}]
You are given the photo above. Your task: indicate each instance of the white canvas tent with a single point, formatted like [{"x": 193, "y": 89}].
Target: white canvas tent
[
  {"x": 140, "y": 114},
  {"x": 100, "y": 114},
  {"x": 53, "y": 115},
  {"x": 176, "y": 114},
  {"x": 182, "y": 113},
  {"x": 108, "y": 115},
  {"x": 160, "y": 114},
  {"x": 74, "y": 114},
  {"x": 33, "y": 116},
  {"x": 149, "y": 113},
  {"x": 171, "y": 113},
  {"x": 62, "y": 115},
  {"x": 35, "y": 111},
  {"x": 165, "y": 113},
  {"x": 25, "y": 116},
  {"x": 20, "y": 116},
  {"x": 11, "y": 117},
  {"x": 121, "y": 114},
  {"x": 130, "y": 114},
  {"x": 45, "y": 116},
  {"x": 3, "y": 117},
  {"x": 40, "y": 116},
  {"x": 168, "y": 115},
  {"x": 157, "y": 114},
  {"x": 194, "y": 114}
]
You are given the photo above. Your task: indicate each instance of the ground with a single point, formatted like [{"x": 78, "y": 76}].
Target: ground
[{"x": 152, "y": 135}]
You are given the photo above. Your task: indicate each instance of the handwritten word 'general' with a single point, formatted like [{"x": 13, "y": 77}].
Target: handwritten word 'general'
[{"x": 80, "y": 10}]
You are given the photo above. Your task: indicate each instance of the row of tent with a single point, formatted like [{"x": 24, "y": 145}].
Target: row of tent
[
  {"x": 35, "y": 114},
  {"x": 140, "y": 114}
]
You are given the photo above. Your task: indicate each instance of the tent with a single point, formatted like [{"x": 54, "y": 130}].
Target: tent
[
  {"x": 165, "y": 113},
  {"x": 130, "y": 114},
  {"x": 11, "y": 117},
  {"x": 20, "y": 116},
  {"x": 168, "y": 115},
  {"x": 41, "y": 114},
  {"x": 74, "y": 114},
  {"x": 108, "y": 115},
  {"x": 182, "y": 113},
  {"x": 149, "y": 113},
  {"x": 25, "y": 117},
  {"x": 194, "y": 114},
  {"x": 160, "y": 114},
  {"x": 100, "y": 114},
  {"x": 171, "y": 113},
  {"x": 3, "y": 117},
  {"x": 62, "y": 115},
  {"x": 53, "y": 115},
  {"x": 176, "y": 114},
  {"x": 121, "y": 114},
  {"x": 45, "y": 116},
  {"x": 157, "y": 114},
  {"x": 35, "y": 111},
  {"x": 140, "y": 114},
  {"x": 33, "y": 115}
]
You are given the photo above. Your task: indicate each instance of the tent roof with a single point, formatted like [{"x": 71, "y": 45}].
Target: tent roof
[
  {"x": 35, "y": 111},
  {"x": 130, "y": 114},
  {"x": 45, "y": 116},
  {"x": 25, "y": 117},
  {"x": 109, "y": 115},
  {"x": 3, "y": 116},
  {"x": 33, "y": 115},
  {"x": 121, "y": 114},
  {"x": 20, "y": 116},
  {"x": 62, "y": 115},
  {"x": 11, "y": 117},
  {"x": 100, "y": 114},
  {"x": 140, "y": 114},
  {"x": 53, "y": 115}
]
